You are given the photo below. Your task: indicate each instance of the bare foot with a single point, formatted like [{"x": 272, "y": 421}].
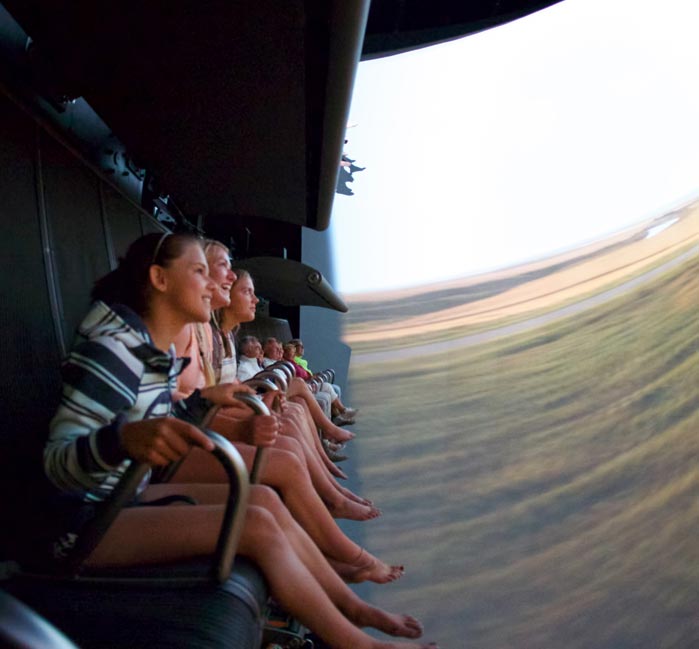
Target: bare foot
[
  {"x": 337, "y": 472},
  {"x": 353, "y": 496},
  {"x": 353, "y": 511},
  {"x": 334, "y": 446},
  {"x": 369, "y": 568},
  {"x": 395, "y": 624},
  {"x": 336, "y": 434}
]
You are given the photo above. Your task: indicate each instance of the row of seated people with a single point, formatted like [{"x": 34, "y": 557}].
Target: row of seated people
[
  {"x": 156, "y": 354},
  {"x": 292, "y": 352},
  {"x": 254, "y": 357}
]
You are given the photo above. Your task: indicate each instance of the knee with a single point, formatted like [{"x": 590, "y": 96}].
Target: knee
[
  {"x": 261, "y": 529},
  {"x": 265, "y": 498},
  {"x": 295, "y": 409},
  {"x": 271, "y": 503},
  {"x": 291, "y": 445},
  {"x": 299, "y": 385},
  {"x": 291, "y": 464},
  {"x": 290, "y": 428}
]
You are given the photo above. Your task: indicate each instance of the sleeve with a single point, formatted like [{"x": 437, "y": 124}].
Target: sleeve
[
  {"x": 246, "y": 371},
  {"x": 301, "y": 373},
  {"x": 99, "y": 386},
  {"x": 193, "y": 409}
]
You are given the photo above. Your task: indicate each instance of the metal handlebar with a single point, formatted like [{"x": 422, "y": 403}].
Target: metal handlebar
[
  {"x": 275, "y": 377},
  {"x": 260, "y": 409},
  {"x": 125, "y": 492}
]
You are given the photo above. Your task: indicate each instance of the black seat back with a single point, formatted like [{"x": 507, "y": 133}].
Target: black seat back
[{"x": 63, "y": 226}]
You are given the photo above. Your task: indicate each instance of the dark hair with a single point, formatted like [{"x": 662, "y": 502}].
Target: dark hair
[
  {"x": 129, "y": 283},
  {"x": 240, "y": 274}
]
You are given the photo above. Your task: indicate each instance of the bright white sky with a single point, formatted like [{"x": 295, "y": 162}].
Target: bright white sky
[{"x": 519, "y": 141}]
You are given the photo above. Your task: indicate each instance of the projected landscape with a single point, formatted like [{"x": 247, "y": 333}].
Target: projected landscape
[{"x": 532, "y": 439}]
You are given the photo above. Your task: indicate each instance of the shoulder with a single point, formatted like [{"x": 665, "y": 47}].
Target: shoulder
[{"x": 101, "y": 366}]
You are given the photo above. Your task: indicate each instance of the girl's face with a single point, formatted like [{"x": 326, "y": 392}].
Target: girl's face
[
  {"x": 220, "y": 271},
  {"x": 288, "y": 353},
  {"x": 188, "y": 288},
  {"x": 243, "y": 300}
]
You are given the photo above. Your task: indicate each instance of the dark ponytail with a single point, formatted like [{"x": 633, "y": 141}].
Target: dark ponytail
[{"x": 129, "y": 283}]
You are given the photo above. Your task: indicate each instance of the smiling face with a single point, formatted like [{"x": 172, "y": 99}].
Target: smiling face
[
  {"x": 243, "y": 300},
  {"x": 185, "y": 285},
  {"x": 273, "y": 349},
  {"x": 221, "y": 273}
]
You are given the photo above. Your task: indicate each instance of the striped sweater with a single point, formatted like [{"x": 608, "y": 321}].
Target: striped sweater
[{"x": 113, "y": 375}]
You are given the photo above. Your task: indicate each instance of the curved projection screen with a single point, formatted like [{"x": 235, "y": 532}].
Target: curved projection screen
[{"x": 520, "y": 254}]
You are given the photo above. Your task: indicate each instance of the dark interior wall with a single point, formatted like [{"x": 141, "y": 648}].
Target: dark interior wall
[
  {"x": 30, "y": 348},
  {"x": 72, "y": 202},
  {"x": 62, "y": 227}
]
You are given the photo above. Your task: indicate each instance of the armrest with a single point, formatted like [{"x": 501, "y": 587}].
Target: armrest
[
  {"x": 286, "y": 367},
  {"x": 261, "y": 384},
  {"x": 274, "y": 377},
  {"x": 327, "y": 375}
]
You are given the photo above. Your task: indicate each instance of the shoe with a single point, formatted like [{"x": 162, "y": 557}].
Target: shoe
[
  {"x": 333, "y": 446},
  {"x": 331, "y": 452},
  {"x": 343, "y": 419},
  {"x": 336, "y": 457},
  {"x": 350, "y": 412}
]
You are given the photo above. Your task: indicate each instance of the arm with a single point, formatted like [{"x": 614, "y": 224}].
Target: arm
[
  {"x": 100, "y": 426},
  {"x": 84, "y": 449}
]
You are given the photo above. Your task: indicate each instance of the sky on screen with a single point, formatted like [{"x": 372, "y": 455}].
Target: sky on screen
[{"x": 520, "y": 141}]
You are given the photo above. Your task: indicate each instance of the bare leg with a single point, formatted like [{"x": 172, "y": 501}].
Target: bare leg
[
  {"x": 319, "y": 475},
  {"x": 298, "y": 389},
  {"x": 137, "y": 535},
  {"x": 297, "y": 589},
  {"x": 284, "y": 471},
  {"x": 235, "y": 424},
  {"x": 231, "y": 428},
  {"x": 327, "y": 487},
  {"x": 313, "y": 509},
  {"x": 343, "y": 597},
  {"x": 340, "y": 502},
  {"x": 300, "y": 425},
  {"x": 192, "y": 531}
]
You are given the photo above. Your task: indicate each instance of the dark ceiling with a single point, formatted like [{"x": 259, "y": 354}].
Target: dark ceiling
[
  {"x": 398, "y": 25},
  {"x": 238, "y": 109}
]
